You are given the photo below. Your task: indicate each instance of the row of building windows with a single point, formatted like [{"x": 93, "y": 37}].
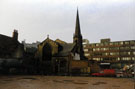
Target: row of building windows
[
  {"x": 124, "y": 48},
  {"x": 114, "y": 53},
  {"x": 113, "y": 43},
  {"x": 110, "y": 54},
  {"x": 117, "y": 59},
  {"x": 119, "y": 53},
  {"x": 114, "y": 48},
  {"x": 100, "y": 49}
]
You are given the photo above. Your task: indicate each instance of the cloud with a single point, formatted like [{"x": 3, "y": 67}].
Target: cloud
[{"x": 99, "y": 19}]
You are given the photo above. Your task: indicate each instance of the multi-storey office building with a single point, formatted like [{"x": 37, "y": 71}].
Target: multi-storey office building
[{"x": 116, "y": 53}]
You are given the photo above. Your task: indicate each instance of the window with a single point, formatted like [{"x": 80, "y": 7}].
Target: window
[
  {"x": 93, "y": 45},
  {"x": 125, "y": 48},
  {"x": 86, "y": 50},
  {"x": 132, "y": 47},
  {"x": 114, "y": 43},
  {"x": 101, "y": 44},
  {"x": 133, "y": 58},
  {"x": 84, "y": 46},
  {"x": 111, "y": 53},
  {"x": 111, "y": 43},
  {"x": 132, "y": 42},
  {"x": 96, "y": 59},
  {"x": 97, "y": 44},
  {"x": 86, "y": 54},
  {"x": 104, "y": 49},
  {"x": 106, "y": 43},
  {"x": 114, "y": 48},
  {"x": 126, "y": 42},
  {"x": 94, "y": 49},
  {"x": 133, "y": 53},
  {"x": 101, "y": 59},
  {"x": 123, "y": 53},
  {"x": 97, "y": 49},
  {"x": 126, "y": 58},
  {"x": 97, "y": 54},
  {"x": 121, "y": 43},
  {"x": 114, "y": 53},
  {"x": 105, "y": 54},
  {"x": 118, "y": 58},
  {"x": 129, "y": 53}
]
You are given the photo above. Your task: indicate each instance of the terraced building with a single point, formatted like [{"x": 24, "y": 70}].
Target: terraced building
[{"x": 117, "y": 53}]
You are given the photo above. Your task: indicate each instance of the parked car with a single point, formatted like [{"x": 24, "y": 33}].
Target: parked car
[
  {"x": 105, "y": 72},
  {"x": 119, "y": 74}
]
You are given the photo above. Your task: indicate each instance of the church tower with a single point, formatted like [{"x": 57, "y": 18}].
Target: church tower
[{"x": 77, "y": 38}]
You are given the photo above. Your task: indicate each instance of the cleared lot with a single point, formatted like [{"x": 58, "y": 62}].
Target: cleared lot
[{"x": 64, "y": 82}]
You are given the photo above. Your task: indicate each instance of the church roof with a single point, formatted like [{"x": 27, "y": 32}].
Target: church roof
[
  {"x": 60, "y": 41},
  {"x": 46, "y": 40},
  {"x": 67, "y": 48},
  {"x": 63, "y": 48}
]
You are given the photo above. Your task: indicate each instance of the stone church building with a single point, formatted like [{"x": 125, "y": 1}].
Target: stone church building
[{"x": 59, "y": 57}]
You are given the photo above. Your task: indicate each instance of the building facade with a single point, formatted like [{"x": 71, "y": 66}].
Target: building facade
[
  {"x": 119, "y": 53},
  {"x": 59, "y": 57}
]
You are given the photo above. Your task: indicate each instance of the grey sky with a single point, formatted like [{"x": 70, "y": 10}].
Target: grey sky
[{"x": 34, "y": 19}]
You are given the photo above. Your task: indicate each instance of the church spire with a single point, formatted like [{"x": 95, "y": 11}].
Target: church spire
[
  {"x": 77, "y": 35},
  {"x": 77, "y": 28},
  {"x": 77, "y": 39}
]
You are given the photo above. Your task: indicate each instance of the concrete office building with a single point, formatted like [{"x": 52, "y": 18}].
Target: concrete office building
[{"x": 117, "y": 53}]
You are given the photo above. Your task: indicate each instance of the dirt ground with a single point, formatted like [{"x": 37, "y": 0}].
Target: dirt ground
[{"x": 64, "y": 82}]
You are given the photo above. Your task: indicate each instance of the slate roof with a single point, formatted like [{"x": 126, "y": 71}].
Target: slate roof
[
  {"x": 63, "y": 48},
  {"x": 7, "y": 45},
  {"x": 60, "y": 41},
  {"x": 66, "y": 49}
]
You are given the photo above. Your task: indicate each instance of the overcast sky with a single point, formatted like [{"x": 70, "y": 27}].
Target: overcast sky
[{"x": 35, "y": 19}]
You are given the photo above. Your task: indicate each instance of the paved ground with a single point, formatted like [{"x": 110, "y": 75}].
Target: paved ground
[{"x": 63, "y": 82}]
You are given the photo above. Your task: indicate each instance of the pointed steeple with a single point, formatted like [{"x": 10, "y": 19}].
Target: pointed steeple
[
  {"x": 77, "y": 35},
  {"x": 77, "y": 27},
  {"x": 77, "y": 39}
]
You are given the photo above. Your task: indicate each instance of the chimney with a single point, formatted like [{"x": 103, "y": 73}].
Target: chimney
[{"x": 15, "y": 34}]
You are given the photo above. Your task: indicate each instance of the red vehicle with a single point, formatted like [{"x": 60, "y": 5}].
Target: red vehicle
[{"x": 105, "y": 72}]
